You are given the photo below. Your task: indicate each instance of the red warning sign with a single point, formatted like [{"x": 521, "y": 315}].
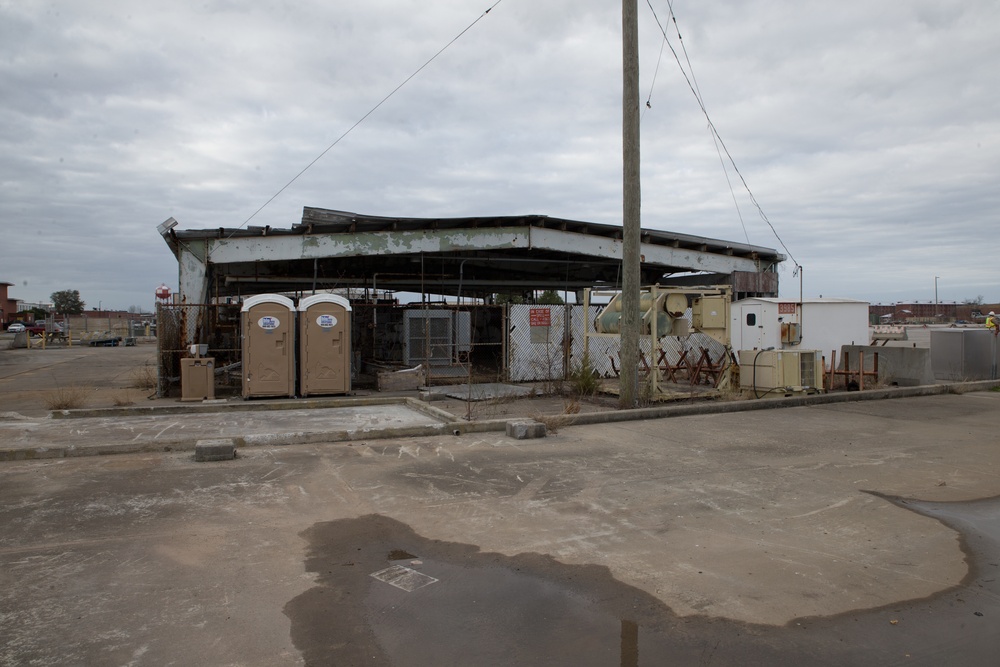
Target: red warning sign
[{"x": 540, "y": 317}]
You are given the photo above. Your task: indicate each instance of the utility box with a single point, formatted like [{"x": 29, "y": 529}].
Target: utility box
[
  {"x": 268, "y": 349},
  {"x": 825, "y": 325},
  {"x": 710, "y": 312},
  {"x": 964, "y": 354},
  {"x": 776, "y": 373},
  {"x": 324, "y": 345},
  {"x": 197, "y": 379}
]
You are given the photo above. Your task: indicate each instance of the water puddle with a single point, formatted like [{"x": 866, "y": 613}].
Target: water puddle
[{"x": 387, "y": 596}]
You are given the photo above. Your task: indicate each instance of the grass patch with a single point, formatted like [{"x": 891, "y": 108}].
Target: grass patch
[
  {"x": 143, "y": 377},
  {"x": 122, "y": 398},
  {"x": 66, "y": 398},
  {"x": 555, "y": 422},
  {"x": 584, "y": 380}
]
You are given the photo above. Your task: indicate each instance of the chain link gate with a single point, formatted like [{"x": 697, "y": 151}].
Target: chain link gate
[{"x": 178, "y": 325}]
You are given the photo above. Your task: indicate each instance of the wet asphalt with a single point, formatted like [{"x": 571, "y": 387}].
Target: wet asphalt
[{"x": 448, "y": 603}]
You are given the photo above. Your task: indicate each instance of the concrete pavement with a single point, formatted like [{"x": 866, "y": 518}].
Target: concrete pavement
[
  {"x": 172, "y": 426},
  {"x": 178, "y": 428},
  {"x": 748, "y": 537}
]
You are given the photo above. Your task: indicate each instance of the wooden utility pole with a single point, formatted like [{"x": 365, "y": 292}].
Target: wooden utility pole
[{"x": 629, "y": 388}]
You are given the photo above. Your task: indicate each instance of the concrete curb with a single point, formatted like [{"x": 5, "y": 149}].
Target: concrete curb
[
  {"x": 720, "y": 407},
  {"x": 449, "y": 424},
  {"x": 221, "y": 406},
  {"x": 252, "y": 440}
]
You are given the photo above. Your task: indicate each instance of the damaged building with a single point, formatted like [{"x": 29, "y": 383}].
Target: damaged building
[{"x": 463, "y": 278}]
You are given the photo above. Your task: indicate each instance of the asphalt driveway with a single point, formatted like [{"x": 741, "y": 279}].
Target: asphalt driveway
[{"x": 714, "y": 539}]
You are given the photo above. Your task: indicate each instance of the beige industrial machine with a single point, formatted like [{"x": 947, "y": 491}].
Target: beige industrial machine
[
  {"x": 198, "y": 375},
  {"x": 777, "y": 373},
  {"x": 268, "y": 335},
  {"x": 662, "y": 311},
  {"x": 324, "y": 345}
]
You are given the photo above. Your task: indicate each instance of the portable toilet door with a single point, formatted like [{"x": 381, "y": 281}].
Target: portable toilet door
[
  {"x": 268, "y": 346},
  {"x": 324, "y": 345}
]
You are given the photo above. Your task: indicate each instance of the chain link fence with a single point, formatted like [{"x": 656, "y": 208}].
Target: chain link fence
[
  {"x": 683, "y": 359},
  {"x": 179, "y": 325},
  {"x": 453, "y": 344},
  {"x": 547, "y": 343}
]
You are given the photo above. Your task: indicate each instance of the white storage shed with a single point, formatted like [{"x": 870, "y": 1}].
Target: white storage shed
[{"x": 787, "y": 324}]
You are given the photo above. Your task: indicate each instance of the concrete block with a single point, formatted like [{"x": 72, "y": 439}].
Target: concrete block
[
  {"x": 901, "y": 366},
  {"x": 525, "y": 429},
  {"x": 222, "y": 449},
  {"x": 428, "y": 396}
]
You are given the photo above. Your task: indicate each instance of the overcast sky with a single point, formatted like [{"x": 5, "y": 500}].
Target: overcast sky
[{"x": 868, "y": 132}]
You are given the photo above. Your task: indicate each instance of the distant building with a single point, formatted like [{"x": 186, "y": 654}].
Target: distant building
[
  {"x": 928, "y": 312},
  {"x": 30, "y": 305},
  {"x": 8, "y": 306}
]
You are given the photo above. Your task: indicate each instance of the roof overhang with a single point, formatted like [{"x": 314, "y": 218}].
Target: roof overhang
[{"x": 331, "y": 249}]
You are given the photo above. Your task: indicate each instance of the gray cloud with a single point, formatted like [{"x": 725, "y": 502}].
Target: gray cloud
[{"x": 868, "y": 132}]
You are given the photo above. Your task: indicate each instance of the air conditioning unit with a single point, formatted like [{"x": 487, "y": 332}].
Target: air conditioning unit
[
  {"x": 436, "y": 337},
  {"x": 781, "y": 372}
]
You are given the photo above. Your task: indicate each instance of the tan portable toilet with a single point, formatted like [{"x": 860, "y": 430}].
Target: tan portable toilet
[
  {"x": 324, "y": 345},
  {"x": 268, "y": 336}
]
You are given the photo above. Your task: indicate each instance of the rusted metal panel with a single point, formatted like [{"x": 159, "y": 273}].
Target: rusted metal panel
[{"x": 753, "y": 282}]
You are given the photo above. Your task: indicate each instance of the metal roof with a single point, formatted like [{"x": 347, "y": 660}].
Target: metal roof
[{"x": 474, "y": 255}]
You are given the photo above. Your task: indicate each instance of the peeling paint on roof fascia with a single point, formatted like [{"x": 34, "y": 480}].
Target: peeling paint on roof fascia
[
  {"x": 583, "y": 244},
  {"x": 370, "y": 243},
  {"x": 310, "y": 246},
  {"x": 192, "y": 278}
]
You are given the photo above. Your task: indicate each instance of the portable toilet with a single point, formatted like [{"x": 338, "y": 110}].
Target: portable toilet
[
  {"x": 268, "y": 335},
  {"x": 324, "y": 345}
]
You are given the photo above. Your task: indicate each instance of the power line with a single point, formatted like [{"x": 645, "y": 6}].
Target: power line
[
  {"x": 715, "y": 133},
  {"x": 365, "y": 117},
  {"x": 715, "y": 139}
]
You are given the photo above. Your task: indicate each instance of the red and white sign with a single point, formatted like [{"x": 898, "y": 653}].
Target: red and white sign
[
  {"x": 787, "y": 308},
  {"x": 540, "y": 317}
]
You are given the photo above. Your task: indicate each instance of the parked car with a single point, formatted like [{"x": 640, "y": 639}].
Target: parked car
[
  {"x": 16, "y": 327},
  {"x": 39, "y": 328}
]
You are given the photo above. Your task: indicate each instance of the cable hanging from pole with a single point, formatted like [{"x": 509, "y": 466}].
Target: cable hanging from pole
[
  {"x": 693, "y": 86},
  {"x": 365, "y": 117}
]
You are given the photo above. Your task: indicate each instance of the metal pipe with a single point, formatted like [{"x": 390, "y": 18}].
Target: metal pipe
[{"x": 461, "y": 274}]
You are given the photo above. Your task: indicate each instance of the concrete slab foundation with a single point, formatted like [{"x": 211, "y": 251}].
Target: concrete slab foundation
[{"x": 486, "y": 391}]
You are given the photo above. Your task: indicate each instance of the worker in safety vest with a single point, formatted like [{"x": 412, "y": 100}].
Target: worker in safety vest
[{"x": 993, "y": 323}]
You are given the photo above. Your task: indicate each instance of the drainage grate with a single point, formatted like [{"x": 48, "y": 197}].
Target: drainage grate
[{"x": 403, "y": 577}]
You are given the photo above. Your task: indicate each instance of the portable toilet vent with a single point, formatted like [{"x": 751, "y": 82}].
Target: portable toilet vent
[
  {"x": 324, "y": 345},
  {"x": 268, "y": 335}
]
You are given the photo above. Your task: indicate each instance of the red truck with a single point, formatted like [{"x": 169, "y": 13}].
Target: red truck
[{"x": 38, "y": 328}]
